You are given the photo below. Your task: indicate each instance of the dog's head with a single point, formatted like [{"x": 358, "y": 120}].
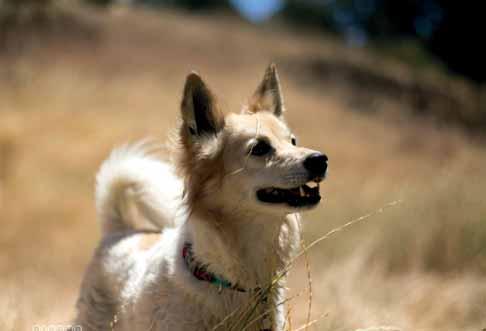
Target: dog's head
[{"x": 248, "y": 161}]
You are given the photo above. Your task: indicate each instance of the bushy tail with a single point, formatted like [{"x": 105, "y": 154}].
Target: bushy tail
[{"x": 136, "y": 191}]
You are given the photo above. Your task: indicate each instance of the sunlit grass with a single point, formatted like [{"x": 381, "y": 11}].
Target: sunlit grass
[{"x": 63, "y": 106}]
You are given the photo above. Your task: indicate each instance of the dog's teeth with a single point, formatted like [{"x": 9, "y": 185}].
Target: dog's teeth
[
  {"x": 312, "y": 184},
  {"x": 302, "y": 193}
]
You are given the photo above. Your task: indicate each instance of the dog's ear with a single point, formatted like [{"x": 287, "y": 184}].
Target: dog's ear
[
  {"x": 268, "y": 95},
  {"x": 200, "y": 113}
]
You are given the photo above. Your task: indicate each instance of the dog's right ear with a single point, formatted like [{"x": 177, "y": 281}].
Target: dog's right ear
[
  {"x": 200, "y": 113},
  {"x": 268, "y": 95}
]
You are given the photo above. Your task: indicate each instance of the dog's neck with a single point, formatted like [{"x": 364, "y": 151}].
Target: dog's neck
[{"x": 246, "y": 248}]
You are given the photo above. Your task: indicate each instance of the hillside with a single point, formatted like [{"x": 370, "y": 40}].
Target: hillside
[{"x": 66, "y": 101}]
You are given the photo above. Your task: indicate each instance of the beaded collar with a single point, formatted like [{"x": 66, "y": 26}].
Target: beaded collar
[{"x": 200, "y": 271}]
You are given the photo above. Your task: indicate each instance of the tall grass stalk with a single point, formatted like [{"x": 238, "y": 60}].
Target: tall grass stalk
[{"x": 248, "y": 316}]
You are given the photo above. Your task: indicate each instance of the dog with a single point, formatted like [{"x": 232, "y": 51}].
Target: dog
[{"x": 202, "y": 242}]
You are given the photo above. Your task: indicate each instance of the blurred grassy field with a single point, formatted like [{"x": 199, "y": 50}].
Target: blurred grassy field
[{"x": 64, "y": 103}]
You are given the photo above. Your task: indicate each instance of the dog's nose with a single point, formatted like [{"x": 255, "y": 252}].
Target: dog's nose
[{"x": 316, "y": 164}]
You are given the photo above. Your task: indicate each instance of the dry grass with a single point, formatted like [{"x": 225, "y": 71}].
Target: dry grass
[{"x": 63, "y": 106}]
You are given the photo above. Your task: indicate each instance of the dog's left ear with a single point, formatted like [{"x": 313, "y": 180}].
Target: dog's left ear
[
  {"x": 268, "y": 95},
  {"x": 200, "y": 113}
]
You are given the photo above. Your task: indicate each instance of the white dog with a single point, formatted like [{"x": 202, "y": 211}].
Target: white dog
[{"x": 202, "y": 243}]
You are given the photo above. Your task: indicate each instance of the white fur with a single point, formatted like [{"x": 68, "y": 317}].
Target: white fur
[
  {"x": 132, "y": 181},
  {"x": 129, "y": 289}
]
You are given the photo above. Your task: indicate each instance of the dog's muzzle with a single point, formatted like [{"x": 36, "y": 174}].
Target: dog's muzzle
[{"x": 306, "y": 195}]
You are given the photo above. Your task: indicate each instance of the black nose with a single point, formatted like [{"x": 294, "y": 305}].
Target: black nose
[{"x": 316, "y": 164}]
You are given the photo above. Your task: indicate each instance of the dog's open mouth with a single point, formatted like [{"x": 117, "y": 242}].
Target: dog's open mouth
[{"x": 305, "y": 195}]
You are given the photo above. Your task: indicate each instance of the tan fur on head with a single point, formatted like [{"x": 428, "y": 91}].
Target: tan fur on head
[
  {"x": 202, "y": 121},
  {"x": 215, "y": 157}
]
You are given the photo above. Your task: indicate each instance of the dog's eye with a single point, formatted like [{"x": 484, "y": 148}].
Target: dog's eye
[
  {"x": 261, "y": 148},
  {"x": 293, "y": 140}
]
